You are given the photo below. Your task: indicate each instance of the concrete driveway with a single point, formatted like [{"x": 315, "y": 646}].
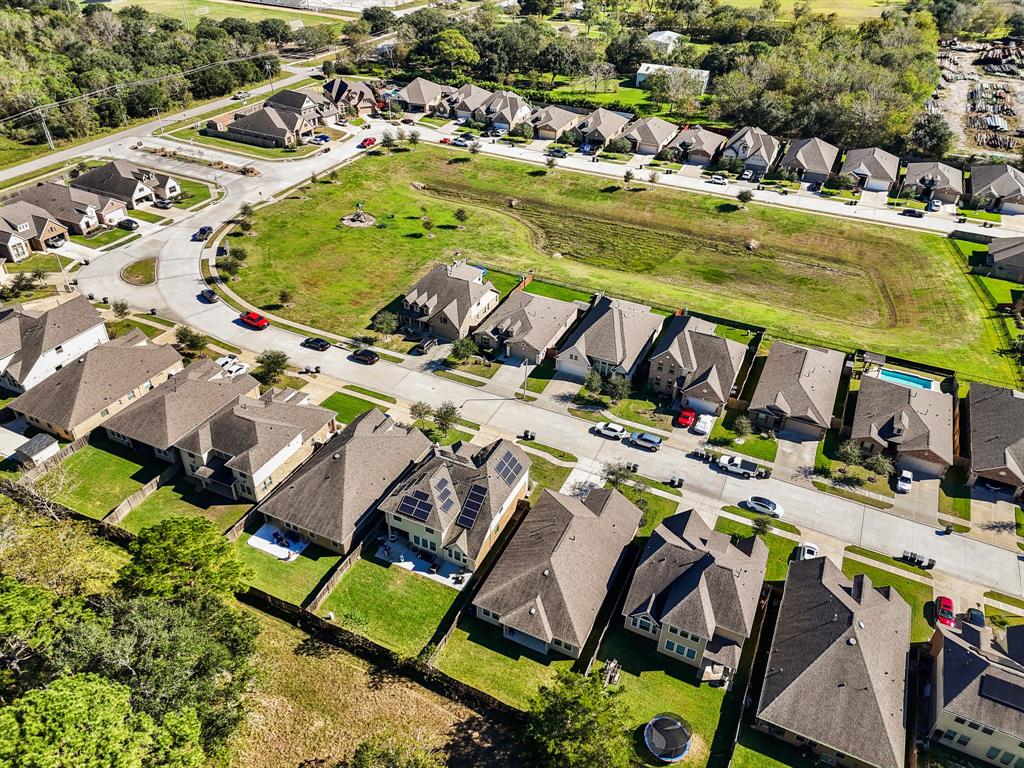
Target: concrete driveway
[
  {"x": 993, "y": 517},
  {"x": 12, "y": 437},
  {"x": 921, "y": 504},
  {"x": 794, "y": 458}
]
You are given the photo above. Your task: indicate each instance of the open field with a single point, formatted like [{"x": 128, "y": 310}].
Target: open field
[
  {"x": 848, "y": 11},
  {"x": 834, "y": 282},
  {"x": 220, "y": 9}
]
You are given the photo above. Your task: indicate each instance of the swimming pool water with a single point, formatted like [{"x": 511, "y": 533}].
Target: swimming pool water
[{"x": 906, "y": 379}]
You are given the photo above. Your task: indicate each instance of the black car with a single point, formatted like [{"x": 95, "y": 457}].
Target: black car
[
  {"x": 975, "y": 617},
  {"x": 163, "y": 205},
  {"x": 222, "y": 250},
  {"x": 320, "y": 345},
  {"x": 408, "y": 121},
  {"x": 424, "y": 346},
  {"x": 912, "y": 213},
  {"x": 558, "y": 152},
  {"x": 203, "y": 234},
  {"x": 130, "y": 224},
  {"x": 209, "y": 296},
  {"x": 366, "y": 356}
]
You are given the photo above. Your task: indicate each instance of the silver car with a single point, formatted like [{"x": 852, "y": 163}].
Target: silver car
[{"x": 764, "y": 505}]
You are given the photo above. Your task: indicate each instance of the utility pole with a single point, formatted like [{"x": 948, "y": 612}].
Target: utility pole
[
  {"x": 159, "y": 119},
  {"x": 46, "y": 128},
  {"x": 184, "y": 15}
]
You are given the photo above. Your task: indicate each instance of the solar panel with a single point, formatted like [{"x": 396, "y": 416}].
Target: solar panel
[
  {"x": 417, "y": 506},
  {"x": 1003, "y": 692},
  {"x": 472, "y": 506},
  {"x": 447, "y": 504},
  {"x": 509, "y": 468},
  {"x": 441, "y": 484},
  {"x": 444, "y": 495},
  {"x": 420, "y": 495}
]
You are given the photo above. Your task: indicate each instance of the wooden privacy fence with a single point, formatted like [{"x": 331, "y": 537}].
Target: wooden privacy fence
[
  {"x": 120, "y": 512},
  {"x": 313, "y": 604}
]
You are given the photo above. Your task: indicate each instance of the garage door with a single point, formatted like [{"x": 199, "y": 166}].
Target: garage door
[
  {"x": 570, "y": 368},
  {"x": 802, "y": 431},
  {"x": 921, "y": 469},
  {"x": 876, "y": 185}
]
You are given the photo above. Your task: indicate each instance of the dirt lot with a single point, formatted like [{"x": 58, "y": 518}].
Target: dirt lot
[{"x": 954, "y": 102}]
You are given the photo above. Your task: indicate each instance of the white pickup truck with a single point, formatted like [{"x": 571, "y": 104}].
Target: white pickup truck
[{"x": 737, "y": 466}]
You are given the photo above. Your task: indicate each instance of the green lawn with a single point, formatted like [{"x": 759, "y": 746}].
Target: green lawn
[
  {"x": 892, "y": 561},
  {"x": 102, "y": 475},
  {"x": 477, "y": 366},
  {"x": 954, "y": 495},
  {"x": 753, "y": 445},
  {"x": 217, "y": 10},
  {"x": 452, "y": 376},
  {"x": 120, "y": 327},
  {"x": 825, "y": 462},
  {"x": 389, "y": 605},
  {"x": 105, "y": 237},
  {"x": 292, "y": 581},
  {"x": 757, "y": 750},
  {"x": 371, "y": 393},
  {"x": 781, "y": 525},
  {"x": 639, "y": 408},
  {"x": 150, "y": 216},
  {"x": 503, "y": 282},
  {"x": 558, "y": 453},
  {"x": 1001, "y": 618},
  {"x": 478, "y": 655},
  {"x": 655, "y": 508},
  {"x": 192, "y": 193},
  {"x": 851, "y": 495},
  {"x": 347, "y": 406},
  {"x": 1002, "y": 291},
  {"x": 1016, "y": 602},
  {"x": 780, "y": 549},
  {"x": 546, "y": 475},
  {"x": 552, "y": 291},
  {"x": 48, "y": 262},
  {"x": 652, "y": 683},
  {"x": 452, "y": 436},
  {"x": 832, "y": 281},
  {"x": 741, "y": 335},
  {"x": 540, "y": 375},
  {"x": 194, "y": 136},
  {"x": 917, "y": 595},
  {"x": 141, "y": 272},
  {"x": 179, "y": 499}
]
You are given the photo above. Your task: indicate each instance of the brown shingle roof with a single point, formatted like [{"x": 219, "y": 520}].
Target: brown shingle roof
[
  {"x": 910, "y": 418},
  {"x": 27, "y": 337},
  {"x": 799, "y": 382},
  {"x": 708, "y": 363}
]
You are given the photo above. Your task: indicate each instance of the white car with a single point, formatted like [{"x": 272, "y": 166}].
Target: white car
[
  {"x": 764, "y": 505},
  {"x": 904, "y": 481},
  {"x": 242, "y": 96},
  {"x": 610, "y": 430},
  {"x": 716, "y": 179},
  {"x": 746, "y": 175},
  {"x": 704, "y": 424},
  {"x": 807, "y": 551},
  {"x": 934, "y": 205},
  {"x": 232, "y": 365},
  {"x": 460, "y": 121}
]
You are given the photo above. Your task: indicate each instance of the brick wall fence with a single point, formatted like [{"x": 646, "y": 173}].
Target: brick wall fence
[{"x": 120, "y": 512}]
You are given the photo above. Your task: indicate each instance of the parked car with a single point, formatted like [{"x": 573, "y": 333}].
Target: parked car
[
  {"x": 319, "y": 140},
  {"x": 460, "y": 142},
  {"x": 807, "y": 551},
  {"x": 764, "y": 505},
  {"x": 232, "y": 365},
  {"x": 905, "y": 481},
  {"x": 164, "y": 204},
  {"x": 645, "y": 440},
  {"x": 975, "y": 617},
  {"x": 366, "y": 356},
  {"x": 734, "y": 465},
  {"x": 499, "y": 132},
  {"x": 934, "y": 205},
  {"x": 254, "y": 320},
  {"x": 704, "y": 425},
  {"x": 913, "y": 213},
  {"x": 203, "y": 233},
  {"x": 242, "y": 95},
  {"x": 716, "y": 179},
  {"x": 460, "y": 121},
  {"x": 814, "y": 187},
  {"x": 686, "y": 418},
  {"x": 446, "y": 140},
  {"x": 209, "y": 295},
  {"x": 424, "y": 346},
  {"x": 747, "y": 175},
  {"x": 558, "y": 152},
  {"x": 316, "y": 343},
  {"x": 408, "y": 121},
  {"x": 369, "y": 141},
  {"x": 944, "y": 611},
  {"x": 609, "y": 430},
  {"x": 588, "y": 149},
  {"x": 130, "y": 224}
]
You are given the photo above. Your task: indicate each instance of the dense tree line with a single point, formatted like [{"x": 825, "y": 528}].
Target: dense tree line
[{"x": 52, "y": 52}]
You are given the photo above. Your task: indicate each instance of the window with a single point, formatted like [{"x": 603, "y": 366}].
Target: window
[
  {"x": 397, "y": 518},
  {"x": 684, "y": 634},
  {"x": 105, "y": 412},
  {"x": 673, "y": 631},
  {"x": 800, "y": 739},
  {"x": 695, "y": 638},
  {"x": 670, "y": 646},
  {"x": 963, "y": 740},
  {"x": 690, "y": 653},
  {"x": 428, "y": 530},
  {"x": 992, "y": 752},
  {"x": 59, "y": 348},
  {"x": 987, "y": 731},
  {"x": 975, "y": 726},
  {"x": 1007, "y": 758},
  {"x": 645, "y": 625},
  {"x": 959, "y": 720},
  {"x": 131, "y": 396},
  {"x": 336, "y": 545},
  {"x": 949, "y": 735},
  {"x": 58, "y": 367}
]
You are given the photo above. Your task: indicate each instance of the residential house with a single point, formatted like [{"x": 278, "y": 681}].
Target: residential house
[
  {"x": 333, "y": 497},
  {"x": 449, "y": 301},
  {"x": 34, "y": 348},
  {"x": 914, "y": 425},
  {"x": 810, "y": 159},
  {"x": 613, "y": 337},
  {"x": 527, "y": 326},
  {"x": 650, "y": 135},
  {"x": 695, "y": 592},
  {"x": 977, "y": 701},
  {"x": 1005, "y": 259},
  {"x": 26, "y": 228},
  {"x": 466, "y": 100},
  {"x": 872, "y": 169},
  {"x": 664, "y": 41},
  {"x": 692, "y": 364},
  {"x": 995, "y": 418},
  {"x": 835, "y": 683},
  {"x": 548, "y": 585},
  {"x": 421, "y": 95},
  {"x": 551, "y": 122},
  {"x": 503, "y": 110},
  {"x": 79, "y": 211},
  {"x": 180, "y": 405},
  {"x": 934, "y": 181},
  {"x": 455, "y": 503},
  {"x": 697, "y": 145},
  {"x": 646, "y": 69},
  {"x": 352, "y": 97},
  {"x": 251, "y": 445},
  {"x": 1000, "y": 187},
  {"x": 602, "y": 125},
  {"x": 128, "y": 183},
  {"x": 263, "y": 127},
  {"x": 754, "y": 148},
  {"x": 101, "y": 382},
  {"x": 311, "y": 106},
  {"x": 797, "y": 390}
]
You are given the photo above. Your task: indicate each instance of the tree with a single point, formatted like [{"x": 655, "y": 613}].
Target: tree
[
  {"x": 879, "y": 464},
  {"x": 474, "y": 148},
  {"x": 120, "y": 309},
  {"x": 39, "y": 274},
  {"x": 414, "y": 137},
  {"x": 593, "y": 381},
  {"x": 388, "y": 140},
  {"x": 654, "y": 177},
  {"x": 379, "y": 18},
  {"x": 575, "y": 723},
  {"x": 628, "y": 177},
  {"x": 445, "y": 416},
  {"x": 385, "y": 322},
  {"x": 181, "y": 556},
  {"x": 848, "y": 452},
  {"x": 428, "y": 224},
  {"x": 229, "y": 265},
  {"x": 538, "y": 7},
  {"x": 32, "y": 620},
  {"x": 270, "y": 365},
  {"x": 761, "y": 526},
  {"x": 450, "y": 49},
  {"x": 246, "y": 211},
  {"x": 617, "y": 387},
  {"x": 421, "y": 410},
  {"x": 616, "y": 472},
  {"x": 741, "y": 426},
  {"x": 931, "y": 135},
  {"x": 461, "y": 216},
  {"x": 745, "y": 196},
  {"x": 394, "y": 749},
  {"x": 191, "y": 340},
  {"x": 551, "y": 163},
  {"x": 239, "y": 253},
  {"x": 464, "y": 348}
]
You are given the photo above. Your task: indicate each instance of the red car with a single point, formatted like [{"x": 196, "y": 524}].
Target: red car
[
  {"x": 944, "y": 611},
  {"x": 446, "y": 140},
  {"x": 369, "y": 141},
  {"x": 686, "y": 418},
  {"x": 254, "y": 320}
]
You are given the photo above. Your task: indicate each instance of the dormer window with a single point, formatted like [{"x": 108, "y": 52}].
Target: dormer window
[{"x": 23, "y": 226}]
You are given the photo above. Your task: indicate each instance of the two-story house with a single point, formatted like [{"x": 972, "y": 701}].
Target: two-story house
[
  {"x": 995, "y": 446},
  {"x": 311, "y": 106},
  {"x": 613, "y": 337},
  {"x": 504, "y": 110},
  {"x": 525, "y": 326},
  {"x": 128, "y": 183},
  {"x": 449, "y": 301},
  {"x": 26, "y": 229},
  {"x": 454, "y": 504},
  {"x": 754, "y": 148},
  {"x": 695, "y": 593}
]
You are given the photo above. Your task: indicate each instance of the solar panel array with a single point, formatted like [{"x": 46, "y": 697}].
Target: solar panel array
[
  {"x": 1002, "y": 691},
  {"x": 509, "y": 468},
  {"x": 444, "y": 494},
  {"x": 472, "y": 506},
  {"x": 416, "y": 505}
]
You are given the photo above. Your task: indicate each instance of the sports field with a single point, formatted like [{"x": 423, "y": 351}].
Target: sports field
[{"x": 812, "y": 278}]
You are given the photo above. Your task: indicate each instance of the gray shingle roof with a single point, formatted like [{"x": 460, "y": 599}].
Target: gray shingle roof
[
  {"x": 355, "y": 93},
  {"x": 652, "y": 130},
  {"x": 180, "y": 404},
  {"x": 469, "y": 98},
  {"x": 18, "y": 212},
  {"x": 554, "y": 118},
  {"x": 28, "y": 338},
  {"x": 420, "y": 91},
  {"x": 1002, "y": 181},
  {"x": 269, "y": 122},
  {"x": 840, "y": 649},
  {"x": 996, "y": 430},
  {"x": 695, "y": 578},
  {"x": 65, "y": 204},
  {"x": 812, "y": 155},
  {"x": 535, "y": 321},
  {"x": 554, "y": 574},
  {"x": 604, "y": 125},
  {"x": 333, "y": 492},
  {"x": 935, "y": 175},
  {"x": 799, "y": 382},
  {"x": 709, "y": 363},
  {"x": 1007, "y": 252},
  {"x": 449, "y": 290},
  {"x": 614, "y": 330},
  {"x": 910, "y": 418},
  {"x": 750, "y": 143},
  {"x": 873, "y": 163},
  {"x": 504, "y": 107},
  {"x": 698, "y": 141},
  {"x": 116, "y": 178},
  {"x": 102, "y": 376},
  {"x": 289, "y": 100}
]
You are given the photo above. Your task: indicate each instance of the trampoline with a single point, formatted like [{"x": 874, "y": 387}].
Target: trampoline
[{"x": 667, "y": 736}]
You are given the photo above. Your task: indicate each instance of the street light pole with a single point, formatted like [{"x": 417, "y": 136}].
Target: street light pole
[{"x": 159, "y": 120}]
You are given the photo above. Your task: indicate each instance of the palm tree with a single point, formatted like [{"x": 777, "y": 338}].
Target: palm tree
[{"x": 761, "y": 526}]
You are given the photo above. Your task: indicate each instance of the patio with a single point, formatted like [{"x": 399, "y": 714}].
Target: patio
[
  {"x": 283, "y": 545},
  {"x": 396, "y": 551}
]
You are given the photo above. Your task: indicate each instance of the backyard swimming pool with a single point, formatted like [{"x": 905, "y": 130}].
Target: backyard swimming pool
[{"x": 906, "y": 379}]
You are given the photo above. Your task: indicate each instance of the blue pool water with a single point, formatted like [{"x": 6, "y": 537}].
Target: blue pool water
[{"x": 906, "y": 379}]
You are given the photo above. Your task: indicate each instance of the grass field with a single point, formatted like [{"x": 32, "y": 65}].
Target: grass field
[
  {"x": 192, "y": 193},
  {"x": 546, "y": 474},
  {"x": 47, "y": 261},
  {"x": 106, "y": 237},
  {"x": 848, "y": 11},
  {"x": 753, "y": 445},
  {"x": 917, "y": 595},
  {"x": 834, "y": 282},
  {"x": 102, "y": 475},
  {"x": 141, "y": 272},
  {"x": 219, "y": 9},
  {"x": 292, "y": 581},
  {"x": 389, "y": 605},
  {"x": 179, "y": 499},
  {"x": 347, "y": 406}
]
